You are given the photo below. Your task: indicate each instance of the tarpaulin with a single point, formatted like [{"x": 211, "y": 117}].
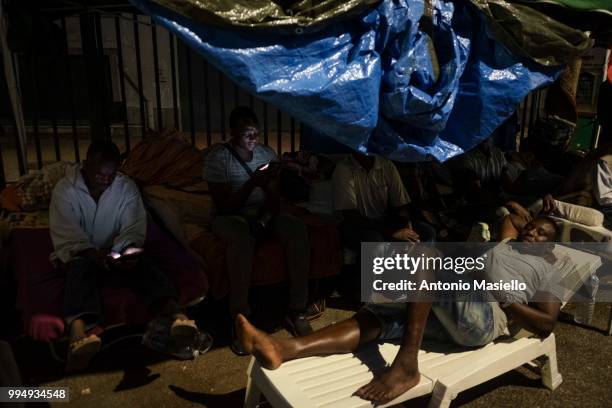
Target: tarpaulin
[
  {"x": 284, "y": 16},
  {"x": 407, "y": 79},
  {"x": 587, "y": 5},
  {"x": 530, "y": 33}
]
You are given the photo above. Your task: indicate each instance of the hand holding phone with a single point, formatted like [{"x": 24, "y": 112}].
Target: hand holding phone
[
  {"x": 265, "y": 173},
  {"x": 126, "y": 259}
]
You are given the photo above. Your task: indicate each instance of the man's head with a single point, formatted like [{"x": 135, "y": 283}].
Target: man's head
[
  {"x": 540, "y": 229},
  {"x": 101, "y": 164},
  {"x": 244, "y": 127}
]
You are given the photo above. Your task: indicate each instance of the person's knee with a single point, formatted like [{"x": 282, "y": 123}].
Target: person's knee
[
  {"x": 427, "y": 232},
  {"x": 231, "y": 229},
  {"x": 80, "y": 265},
  {"x": 290, "y": 227}
]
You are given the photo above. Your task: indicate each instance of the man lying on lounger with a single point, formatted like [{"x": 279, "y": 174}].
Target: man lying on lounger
[
  {"x": 98, "y": 224},
  {"x": 466, "y": 323}
]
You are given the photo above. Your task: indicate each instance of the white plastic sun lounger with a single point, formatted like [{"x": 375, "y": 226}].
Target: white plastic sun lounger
[{"x": 330, "y": 381}]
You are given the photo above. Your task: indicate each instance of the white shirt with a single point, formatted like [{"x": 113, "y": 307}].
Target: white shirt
[
  {"x": 602, "y": 188},
  {"x": 370, "y": 192},
  {"x": 77, "y": 222}
]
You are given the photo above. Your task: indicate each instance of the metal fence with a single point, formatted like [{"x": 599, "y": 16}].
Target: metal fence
[{"x": 118, "y": 75}]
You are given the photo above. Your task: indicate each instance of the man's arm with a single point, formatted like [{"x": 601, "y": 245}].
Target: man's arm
[
  {"x": 537, "y": 317},
  {"x": 226, "y": 201},
  {"x": 69, "y": 240},
  {"x": 511, "y": 226},
  {"x": 132, "y": 221}
]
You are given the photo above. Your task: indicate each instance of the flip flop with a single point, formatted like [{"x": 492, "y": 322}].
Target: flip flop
[
  {"x": 315, "y": 310},
  {"x": 80, "y": 355},
  {"x": 183, "y": 331}
]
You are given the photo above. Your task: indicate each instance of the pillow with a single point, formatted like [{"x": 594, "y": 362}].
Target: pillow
[
  {"x": 579, "y": 214},
  {"x": 194, "y": 206},
  {"x": 574, "y": 213}
]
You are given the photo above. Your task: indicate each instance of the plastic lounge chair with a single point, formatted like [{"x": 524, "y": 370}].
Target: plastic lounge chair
[{"x": 330, "y": 381}]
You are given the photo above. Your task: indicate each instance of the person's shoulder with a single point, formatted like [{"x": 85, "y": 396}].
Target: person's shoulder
[
  {"x": 126, "y": 184},
  {"x": 386, "y": 163},
  {"x": 265, "y": 151},
  {"x": 65, "y": 185},
  {"x": 216, "y": 152}
]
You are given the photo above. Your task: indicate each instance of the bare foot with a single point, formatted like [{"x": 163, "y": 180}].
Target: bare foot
[
  {"x": 389, "y": 385},
  {"x": 263, "y": 347}
]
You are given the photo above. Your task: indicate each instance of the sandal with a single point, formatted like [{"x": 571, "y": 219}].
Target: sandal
[
  {"x": 183, "y": 331},
  {"x": 81, "y": 352},
  {"x": 315, "y": 310}
]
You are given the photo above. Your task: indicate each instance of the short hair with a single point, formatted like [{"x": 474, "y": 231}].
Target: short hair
[
  {"x": 241, "y": 114},
  {"x": 554, "y": 225},
  {"x": 104, "y": 150}
]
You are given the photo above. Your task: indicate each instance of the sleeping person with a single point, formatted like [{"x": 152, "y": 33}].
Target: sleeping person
[{"x": 468, "y": 323}]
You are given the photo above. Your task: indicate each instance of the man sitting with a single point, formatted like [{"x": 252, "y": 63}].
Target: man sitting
[
  {"x": 243, "y": 179},
  {"x": 374, "y": 204},
  {"x": 468, "y": 323},
  {"x": 98, "y": 225}
]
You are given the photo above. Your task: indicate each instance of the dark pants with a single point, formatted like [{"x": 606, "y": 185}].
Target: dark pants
[
  {"x": 236, "y": 232},
  {"x": 84, "y": 279}
]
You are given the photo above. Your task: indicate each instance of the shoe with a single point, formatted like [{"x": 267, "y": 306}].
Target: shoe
[{"x": 297, "y": 323}]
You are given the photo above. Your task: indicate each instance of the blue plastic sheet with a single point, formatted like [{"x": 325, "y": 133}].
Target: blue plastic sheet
[{"x": 375, "y": 83}]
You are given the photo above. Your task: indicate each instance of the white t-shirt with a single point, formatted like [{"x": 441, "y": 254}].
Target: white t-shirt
[
  {"x": 506, "y": 263},
  {"x": 602, "y": 188}
]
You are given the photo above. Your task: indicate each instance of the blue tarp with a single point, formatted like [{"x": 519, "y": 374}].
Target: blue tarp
[{"x": 375, "y": 83}]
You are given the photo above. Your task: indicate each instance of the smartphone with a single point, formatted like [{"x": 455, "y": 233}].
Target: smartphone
[
  {"x": 268, "y": 166},
  {"x": 132, "y": 251}
]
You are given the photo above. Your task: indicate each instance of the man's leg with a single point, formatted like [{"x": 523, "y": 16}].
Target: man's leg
[
  {"x": 468, "y": 322},
  {"x": 371, "y": 323},
  {"x": 293, "y": 235},
  {"x": 240, "y": 248},
  {"x": 161, "y": 298},
  {"x": 343, "y": 337},
  {"x": 81, "y": 310},
  {"x": 404, "y": 371}
]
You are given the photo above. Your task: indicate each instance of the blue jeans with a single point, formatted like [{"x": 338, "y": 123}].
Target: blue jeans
[{"x": 467, "y": 323}]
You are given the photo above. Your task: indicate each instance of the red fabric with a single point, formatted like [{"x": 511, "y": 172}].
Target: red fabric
[
  {"x": 269, "y": 264},
  {"x": 40, "y": 287}
]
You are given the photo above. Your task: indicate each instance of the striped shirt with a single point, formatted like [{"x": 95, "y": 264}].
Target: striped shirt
[{"x": 220, "y": 166}]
